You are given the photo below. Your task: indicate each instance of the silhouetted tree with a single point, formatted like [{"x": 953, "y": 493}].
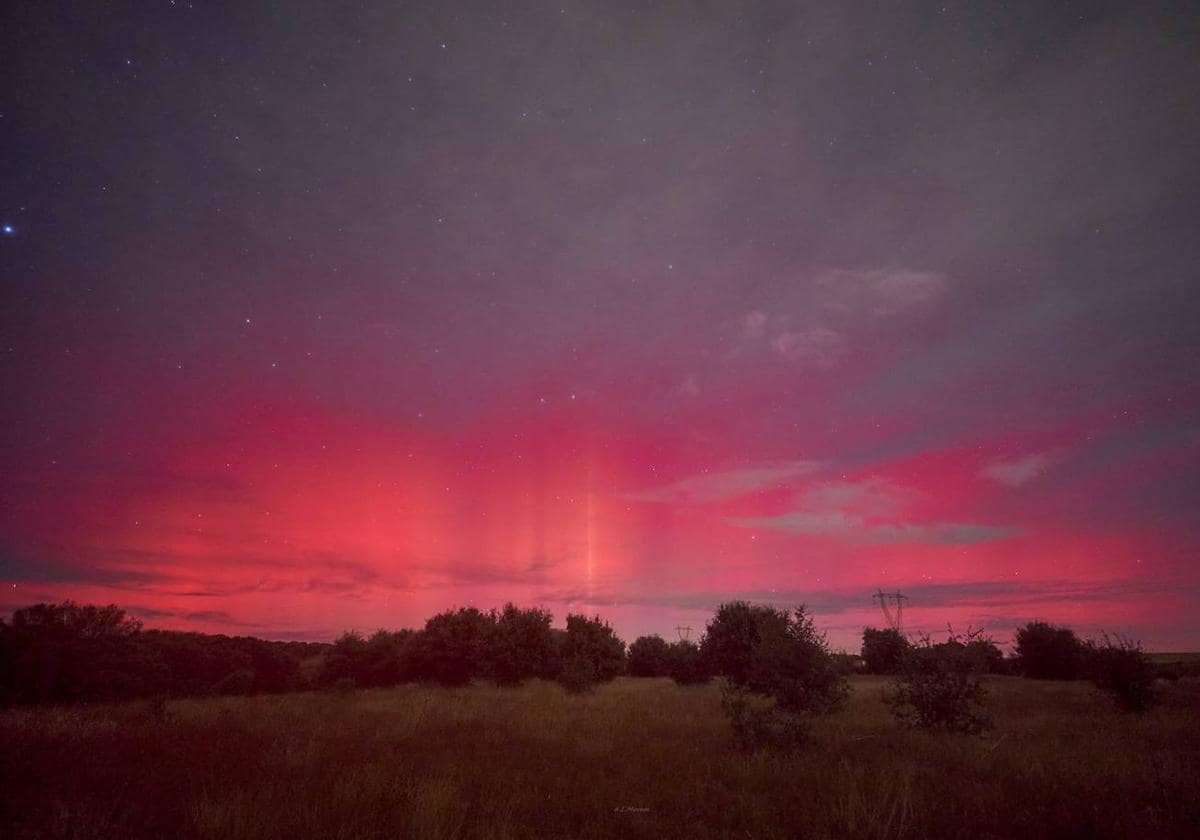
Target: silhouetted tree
[
  {"x": 590, "y": 648},
  {"x": 883, "y": 651},
  {"x": 686, "y": 664},
  {"x": 1047, "y": 652},
  {"x": 648, "y": 657},
  {"x": 1118, "y": 667},
  {"x": 985, "y": 657},
  {"x": 66, "y": 652},
  {"x": 939, "y": 687},
  {"x": 522, "y": 646},
  {"x": 453, "y": 647},
  {"x": 771, "y": 651}
]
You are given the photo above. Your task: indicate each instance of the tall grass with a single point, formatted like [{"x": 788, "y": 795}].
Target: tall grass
[{"x": 636, "y": 758}]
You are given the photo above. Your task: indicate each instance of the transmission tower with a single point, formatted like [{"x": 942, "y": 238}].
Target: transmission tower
[
  {"x": 684, "y": 633},
  {"x": 895, "y": 620}
]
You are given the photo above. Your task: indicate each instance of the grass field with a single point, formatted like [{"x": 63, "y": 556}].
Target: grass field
[{"x": 637, "y": 758}]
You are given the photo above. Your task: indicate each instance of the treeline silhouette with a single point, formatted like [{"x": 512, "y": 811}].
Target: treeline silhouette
[{"x": 66, "y": 653}]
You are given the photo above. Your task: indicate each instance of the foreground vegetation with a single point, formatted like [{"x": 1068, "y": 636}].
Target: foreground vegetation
[{"x": 633, "y": 758}]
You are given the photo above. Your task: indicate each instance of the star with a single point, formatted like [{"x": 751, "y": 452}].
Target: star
[{"x": 9, "y": 230}]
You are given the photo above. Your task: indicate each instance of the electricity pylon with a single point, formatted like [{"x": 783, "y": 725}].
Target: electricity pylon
[{"x": 894, "y": 620}]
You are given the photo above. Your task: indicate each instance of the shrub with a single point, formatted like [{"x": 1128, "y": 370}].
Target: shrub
[
  {"x": 848, "y": 663},
  {"x": 239, "y": 682},
  {"x": 521, "y": 646},
  {"x": 648, "y": 657},
  {"x": 1118, "y": 667},
  {"x": 685, "y": 663},
  {"x": 758, "y": 723},
  {"x": 985, "y": 657},
  {"x": 578, "y": 675},
  {"x": 939, "y": 687},
  {"x": 777, "y": 653},
  {"x": 1047, "y": 652},
  {"x": 593, "y": 640},
  {"x": 781, "y": 657},
  {"x": 452, "y": 649},
  {"x": 883, "y": 651}
]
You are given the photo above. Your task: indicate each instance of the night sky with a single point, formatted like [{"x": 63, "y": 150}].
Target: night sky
[{"x": 320, "y": 316}]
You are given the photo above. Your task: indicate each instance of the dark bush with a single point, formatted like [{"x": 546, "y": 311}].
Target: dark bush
[
  {"x": 578, "y": 674},
  {"x": 592, "y": 641},
  {"x": 522, "y": 646},
  {"x": 985, "y": 657},
  {"x": 344, "y": 661},
  {"x": 453, "y": 647},
  {"x": 758, "y": 723},
  {"x": 883, "y": 651},
  {"x": 1118, "y": 667},
  {"x": 776, "y": 653},
  {"x": 686, "y": 664},
  {"x": 848, "y": 663},
  {"x": 939, "y": 687},
  {"x": 61, "y": 653},
  {"x": 1047, "y": 652},
  {"x": 386, "y": 658},
  {"x": 648, "y": 657},
  {"x": 239, "y": 682}
]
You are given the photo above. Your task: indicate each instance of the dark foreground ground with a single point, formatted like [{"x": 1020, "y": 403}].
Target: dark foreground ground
[{"x": 638, "y": 758}]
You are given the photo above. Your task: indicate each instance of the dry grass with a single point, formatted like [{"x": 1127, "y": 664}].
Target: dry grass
[{"x": 638, "y": 758}]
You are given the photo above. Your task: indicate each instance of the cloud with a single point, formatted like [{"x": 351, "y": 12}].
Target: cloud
[
  {"x": 872, "y": 497},
  {"x": 713, "y": 487},
  {"x": 879, "y": 293},
  {"x": 853, "y": 528},
  {"x": 814, "y": 344},
  {"x": 1018, "y": 472},
  {"x": 941, "y": 533},
  {"x": 1025, "y": 599},
  {"x": 858, "y": 512},
  {"x": 842, "y": 303},
  {"x": 754, "y": 323}
]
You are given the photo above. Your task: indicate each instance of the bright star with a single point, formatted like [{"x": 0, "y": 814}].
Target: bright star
[{"x": 9, "y": 230}]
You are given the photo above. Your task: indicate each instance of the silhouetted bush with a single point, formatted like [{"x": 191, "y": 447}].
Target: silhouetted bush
[
  {"x": 686, "y": 664},
  {"x": 341, "y": 663},
  {"x": 62, "y": 653},
  {"x": 240, "y": 681},
  {"x": 776, "y": 653},
  {"x": 848, "y": 663},
  {"x": 758, "y": 723},
  {"x": 386, "y": 658},
  {"x": 985, "y": 657},
  {"x": 939, "y": 687},
  {"x": 590, "y": 650},
  {"x": 578, "y": 674},
  {"x": 521, "y": 646},
  {"x": 1047, "y": 652},
  {"x": 648, "y": 657},
  {"x": 1118, "y": 667},
  {"x": 883, "y": 651},
  {"x": 453, "y": 647}
]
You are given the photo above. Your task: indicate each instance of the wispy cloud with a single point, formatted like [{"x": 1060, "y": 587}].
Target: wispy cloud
[
  {"x": 852, "y": 528},
  {"x": 813, "y": 344},
  {"x": 880, "y": 293},
  {"x": 867, "y": 512},
  {"x": 715, "y": 486},
  {"x": 841, "y": 304},
  {"x": 1031, "y": 597},
  {"x": 1017, "y": 472}
]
